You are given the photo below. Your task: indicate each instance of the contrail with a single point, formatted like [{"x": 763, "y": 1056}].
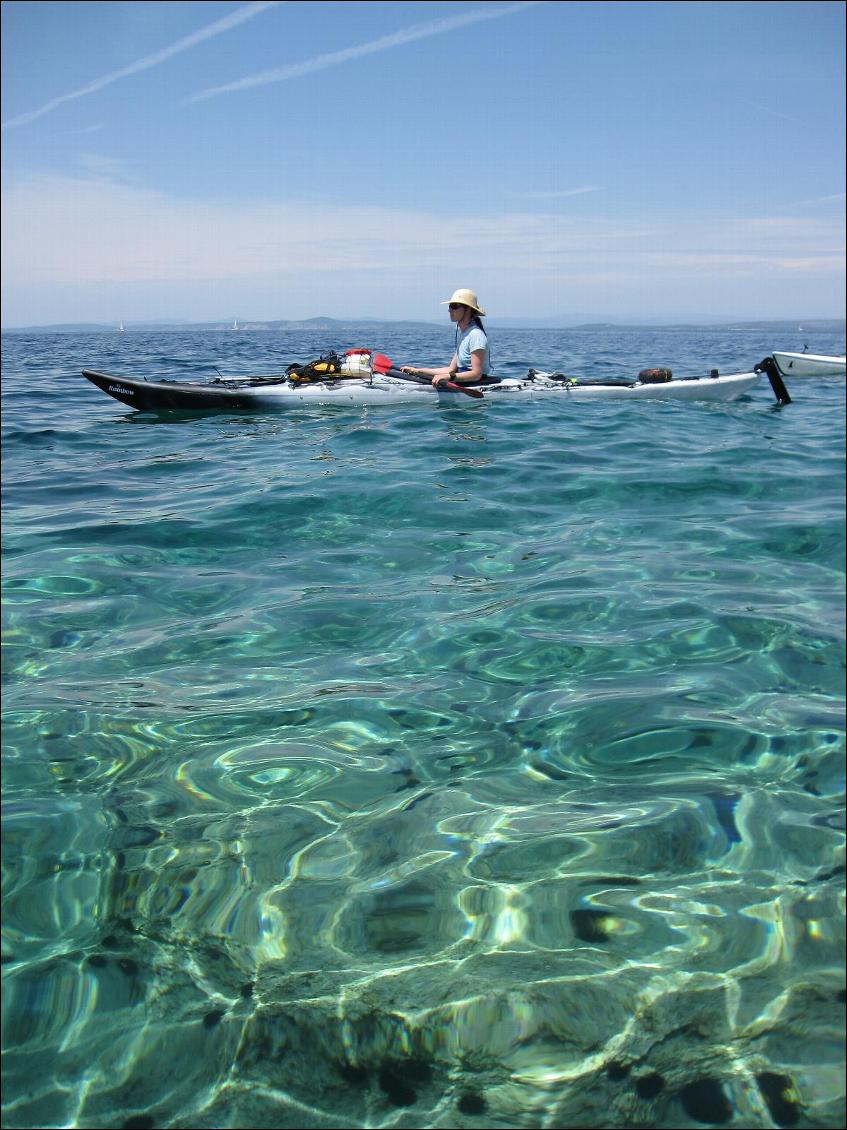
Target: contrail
[
  {"x": 208, "y": 32},
  {"x": 385, "y": 43},
  {"x": 837, "y": 197}
]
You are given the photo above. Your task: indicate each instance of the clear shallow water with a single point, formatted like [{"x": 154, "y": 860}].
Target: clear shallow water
[{"x": 469, "y": 765}]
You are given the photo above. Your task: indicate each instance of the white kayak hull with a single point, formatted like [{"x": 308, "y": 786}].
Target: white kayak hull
[
  {"x": 280, "y": 396},
  {"x": 809, "y": 365}
]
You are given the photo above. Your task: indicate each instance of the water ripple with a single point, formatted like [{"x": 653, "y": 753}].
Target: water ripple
[{"x": 467, "y": 764}]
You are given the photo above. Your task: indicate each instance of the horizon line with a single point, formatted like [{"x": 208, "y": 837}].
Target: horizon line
[{"x": 528, "y": 323}]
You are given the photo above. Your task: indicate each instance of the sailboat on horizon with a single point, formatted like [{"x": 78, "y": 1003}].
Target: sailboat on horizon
[{"x": 121, "y": 328}]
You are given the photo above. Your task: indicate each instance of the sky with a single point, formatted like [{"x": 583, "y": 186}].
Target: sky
[{"x": 623, "y": 162}]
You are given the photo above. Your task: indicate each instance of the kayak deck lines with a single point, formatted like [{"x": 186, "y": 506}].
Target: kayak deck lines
[{"x": 277, "y": 393}]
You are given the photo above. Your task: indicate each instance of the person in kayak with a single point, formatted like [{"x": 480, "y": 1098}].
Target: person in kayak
[{"x": 471, "y": 360}]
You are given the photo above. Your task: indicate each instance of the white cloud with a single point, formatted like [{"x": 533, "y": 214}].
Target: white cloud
[
  {"x": 559, "y": 194},
  {"x": 65, "y": 228},
  {"x": 188, "y": 41},
  {"x": 103, "y": 168},
  {"x": 77, "y": 236},
  {"x": 384, "y": 43},
  {"x": 83, "y": 130}
]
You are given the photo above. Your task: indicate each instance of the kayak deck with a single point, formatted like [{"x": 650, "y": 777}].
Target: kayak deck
[
  {"x": 809, "y": 364},
  {"x": 278, "y": 394}
]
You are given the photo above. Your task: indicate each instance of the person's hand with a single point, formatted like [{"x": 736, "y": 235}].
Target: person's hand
[{"x": 439, "y": 381}]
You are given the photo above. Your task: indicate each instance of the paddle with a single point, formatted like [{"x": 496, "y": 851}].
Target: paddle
[{"x": 384, "y": 365}]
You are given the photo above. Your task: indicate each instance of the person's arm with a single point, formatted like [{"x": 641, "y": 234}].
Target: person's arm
[
  {"x": 466, "y": 376},
  {"x": 446, "y": 371},
  {"x": 477, "y": 369}
]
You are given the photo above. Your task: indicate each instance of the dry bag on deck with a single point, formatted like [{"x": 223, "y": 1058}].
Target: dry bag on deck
[
  {"x": 655, "y": 376},
  {"x": 331, "y": 367}
]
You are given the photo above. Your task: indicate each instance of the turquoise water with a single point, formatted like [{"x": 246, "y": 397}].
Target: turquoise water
[{"x": 465, "y": 765}]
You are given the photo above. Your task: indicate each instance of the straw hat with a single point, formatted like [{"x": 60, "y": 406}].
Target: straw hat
[{"x": 466, "y": 298}]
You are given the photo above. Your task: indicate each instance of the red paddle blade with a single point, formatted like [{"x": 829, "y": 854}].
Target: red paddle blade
[{"x": 380, "y": 363}]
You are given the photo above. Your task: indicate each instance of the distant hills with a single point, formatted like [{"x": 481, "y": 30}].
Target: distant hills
[
  {"x": 336, "y": 325},
  {"x": 246, "y": 326}
]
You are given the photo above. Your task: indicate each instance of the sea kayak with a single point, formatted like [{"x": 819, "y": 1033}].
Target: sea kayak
[
  {"x": 279, "y": 394},
  {"x": 808, "y": 365}
]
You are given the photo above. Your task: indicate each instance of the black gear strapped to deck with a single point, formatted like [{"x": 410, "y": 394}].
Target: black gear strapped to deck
[{"x": 328, "y": 367}]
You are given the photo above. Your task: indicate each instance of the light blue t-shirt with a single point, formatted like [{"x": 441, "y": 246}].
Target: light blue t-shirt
[{"x": 473, "y": 338}]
